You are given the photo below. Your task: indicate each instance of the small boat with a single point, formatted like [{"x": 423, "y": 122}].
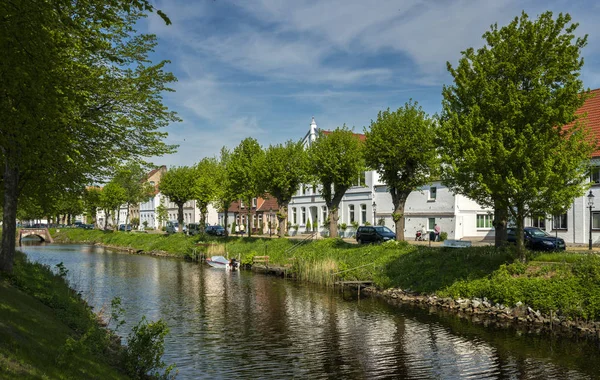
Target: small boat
[{"x": 221, "y": 262}]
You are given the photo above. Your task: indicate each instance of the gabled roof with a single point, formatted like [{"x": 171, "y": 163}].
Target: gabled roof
[
  {"x": 270, "y": 203},
  {"x": 591, "y": 109}
]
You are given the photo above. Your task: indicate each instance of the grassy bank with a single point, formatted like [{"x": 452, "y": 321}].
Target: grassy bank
[
  {"x": 567, "y": 283},
  {"x": 47, "y": 332}
]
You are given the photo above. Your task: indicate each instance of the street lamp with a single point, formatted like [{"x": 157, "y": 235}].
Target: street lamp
[
  {"x": 590, "y": 198},
  {"x": 374, "y": 213}
]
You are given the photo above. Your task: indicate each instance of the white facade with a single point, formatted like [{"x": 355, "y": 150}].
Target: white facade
[
  {"x": 370, "y": 202},
  {"x": 191, "y": 213}
]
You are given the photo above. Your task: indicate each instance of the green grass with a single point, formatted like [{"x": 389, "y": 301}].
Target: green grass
[
  {"x": 47, "y": 332},
  {"x": 568, "y": 283}
]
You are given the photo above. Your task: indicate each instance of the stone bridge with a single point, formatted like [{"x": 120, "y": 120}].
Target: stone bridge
[{"x": 42, "y": 233}]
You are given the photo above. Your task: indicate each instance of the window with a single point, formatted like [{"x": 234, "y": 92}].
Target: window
[
  {"x": 595, "y": 175},
  {"x": 539, "y": 221},
  {"x": 303, "y": 189},
  {"x": 431, "y": 224},
  {"x": 314, "y": 189},
  {"x": 324, "y": 212},
  {"x": 560, "y": 222},
  {"x": 303, "y": 215},
  {"x": 363, "y": 213},
  {"x": 294, "y": 217},
  {"x": 485, "y": 220},
  {"x": 596, "y": 220},
  {"x": 351, "y": 213},
  {"x": 432, "y": 193},
  {"x": 253, "y": 202},
  {"x": 360, "y": 180}
]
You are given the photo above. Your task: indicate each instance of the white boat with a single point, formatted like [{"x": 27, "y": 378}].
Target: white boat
[{"x": 221, "y": 262}]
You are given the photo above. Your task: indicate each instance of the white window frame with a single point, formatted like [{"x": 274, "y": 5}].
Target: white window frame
[
  {"x": 294, "y": 216},
  {"x": 484, "y": 221},
  {"x": 351, "y": 213},
  {"x": 363, "y": 213},
  {"x": 560, "y": 222},
  {"x": 595, "y": 175},
  {"x": 303, "y": 211}
]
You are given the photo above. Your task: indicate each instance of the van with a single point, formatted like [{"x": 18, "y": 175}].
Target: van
[
  {"x": 173, "y": 227},
  {"x": 374, "y": 234}
]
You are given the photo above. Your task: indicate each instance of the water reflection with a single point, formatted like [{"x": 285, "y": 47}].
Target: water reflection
[{"x": 239, "y": 325}]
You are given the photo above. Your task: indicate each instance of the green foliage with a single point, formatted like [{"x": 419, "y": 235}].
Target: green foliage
[
  {"x": 308, "y": 225},
  {"x": 401, "y": 146},
  {"x": 111, "y": 198},
  {"x": 206, "y": 187},
  {"x": 443, "y": 235},
  {"x": 335, "y": 160},
  {"x": 178, "y": 185},
  {"x": 89, "y": 98},
  {"x": 244, "y": 170},
  {"x": 233, "y": 227},
  {"x": 145, "y": 348},
  {"x": 503, "y": 137},
  {"x": 284, "y": 169}
]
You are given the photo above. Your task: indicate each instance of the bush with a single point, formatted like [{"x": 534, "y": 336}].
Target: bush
[
  {"x": 443, "y": 235},
  {"x": 145, "y": 347}
]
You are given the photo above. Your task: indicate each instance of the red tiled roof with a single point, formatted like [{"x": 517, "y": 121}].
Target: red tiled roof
[
  {"x": 359, "y": 136},
  {"x": 591, "y": 108},
  {"x": 270, "y": 203}
]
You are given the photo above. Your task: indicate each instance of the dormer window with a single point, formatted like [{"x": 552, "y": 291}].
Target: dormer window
[{"x": 253, "y": 202}]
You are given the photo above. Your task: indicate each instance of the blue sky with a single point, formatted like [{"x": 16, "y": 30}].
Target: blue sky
[{"x": 263, "y": 68}]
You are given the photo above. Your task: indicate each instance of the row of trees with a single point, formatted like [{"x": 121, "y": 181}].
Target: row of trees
[
  {"x": 507, "y": 137},
  {"x": 79, "y": 94}
]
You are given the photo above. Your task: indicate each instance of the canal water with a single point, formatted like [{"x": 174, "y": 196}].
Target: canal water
[{"x": 241, "y": 325}]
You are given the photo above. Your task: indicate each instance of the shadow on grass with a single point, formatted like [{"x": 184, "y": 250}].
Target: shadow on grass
[{"x": 428, "y": 270}]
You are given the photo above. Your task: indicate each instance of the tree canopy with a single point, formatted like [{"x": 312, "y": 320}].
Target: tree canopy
[
  {"x": 510, "y": 138},
  {"x": 402, "y": 147},
  {"x": 336, "y": 160},
  {"x": 206, "y": 186},
  {"x": 78, "y": 94},
  {"x": 283, "y": 171},
  {"x": 244, "y": 172},
  {"x": 178, "y": 185}
]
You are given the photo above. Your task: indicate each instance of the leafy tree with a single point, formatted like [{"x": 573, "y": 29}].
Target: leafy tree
[
  {"x": 283, "y": 171},
  {"x": 243, "y": 170},
  {"x": 206, "y": 186},
  {"x": 78, "y": 94},
  {"x": 178, "y": 185},
  {"x": 225, "y": 192},
  {"x": 162, "y": 213},
  {"x": 91, "y": 201},
  {"x": 132, "y": 178},
  {"x": 336, "y": 160},
  {"x": 401, "y": 147},
  {"x": 504, "y": 137},
  {"x": 113, "y": 195}
]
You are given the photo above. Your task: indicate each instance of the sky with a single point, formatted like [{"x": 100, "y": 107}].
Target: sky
[{"x": 264, "y": 68}]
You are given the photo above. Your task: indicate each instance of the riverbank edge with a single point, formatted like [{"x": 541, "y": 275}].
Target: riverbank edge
[{"x": 480, "y": 311}]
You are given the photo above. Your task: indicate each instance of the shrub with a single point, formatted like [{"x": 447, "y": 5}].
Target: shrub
[
  {"x": 443, "y": 235},
  {"x": 145, "y": 347}
]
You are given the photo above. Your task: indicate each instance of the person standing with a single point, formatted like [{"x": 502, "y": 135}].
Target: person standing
[{"x": 437, "y": 230}]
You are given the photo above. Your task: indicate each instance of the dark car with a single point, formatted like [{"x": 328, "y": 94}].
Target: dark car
[
  {"x": 537, "y": 239},
  {"x": 193, "y": 229},
  {"x": 374, "y": 234},
  {"x": 215, "y": 230},
  {"x": 124, "y": 227}
]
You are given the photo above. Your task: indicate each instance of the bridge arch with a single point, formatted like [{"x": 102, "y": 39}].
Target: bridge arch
[{"x": 42, "y": 233}]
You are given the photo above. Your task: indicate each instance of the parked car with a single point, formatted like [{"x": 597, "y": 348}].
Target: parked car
[
  {"x": 193, "y": 229},
  {"x": 173, "y": 227},
  {"x": 537, "y": 239},
  {"x": 88, "y": 226},
  {"x": 215, "y": 230},
  {"x": 124, "y": 227},
  {"x": 374, "y": 234}
]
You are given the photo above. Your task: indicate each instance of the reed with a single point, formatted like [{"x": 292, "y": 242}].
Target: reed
[{"x": 316, "y": 271}]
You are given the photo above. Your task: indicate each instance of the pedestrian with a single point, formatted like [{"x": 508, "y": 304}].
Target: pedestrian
[{"x": 437, "y": 230}]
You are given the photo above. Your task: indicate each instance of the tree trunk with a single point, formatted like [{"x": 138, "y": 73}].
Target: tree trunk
[
  {"x": 520, "y": 241},
  {"x": 399, "y": 220},
  {"x": 106, "y": 215},
  {"x": 282, "y": 219},
  {"x": 203, "y": 212},
  {"x": 333, "y": 220},
  {"x": 500, "y": 224},
  {"x": 9, "y": 218},
  {"x": 180, "y": 217},
  {"x": 399, "y": 202}
]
